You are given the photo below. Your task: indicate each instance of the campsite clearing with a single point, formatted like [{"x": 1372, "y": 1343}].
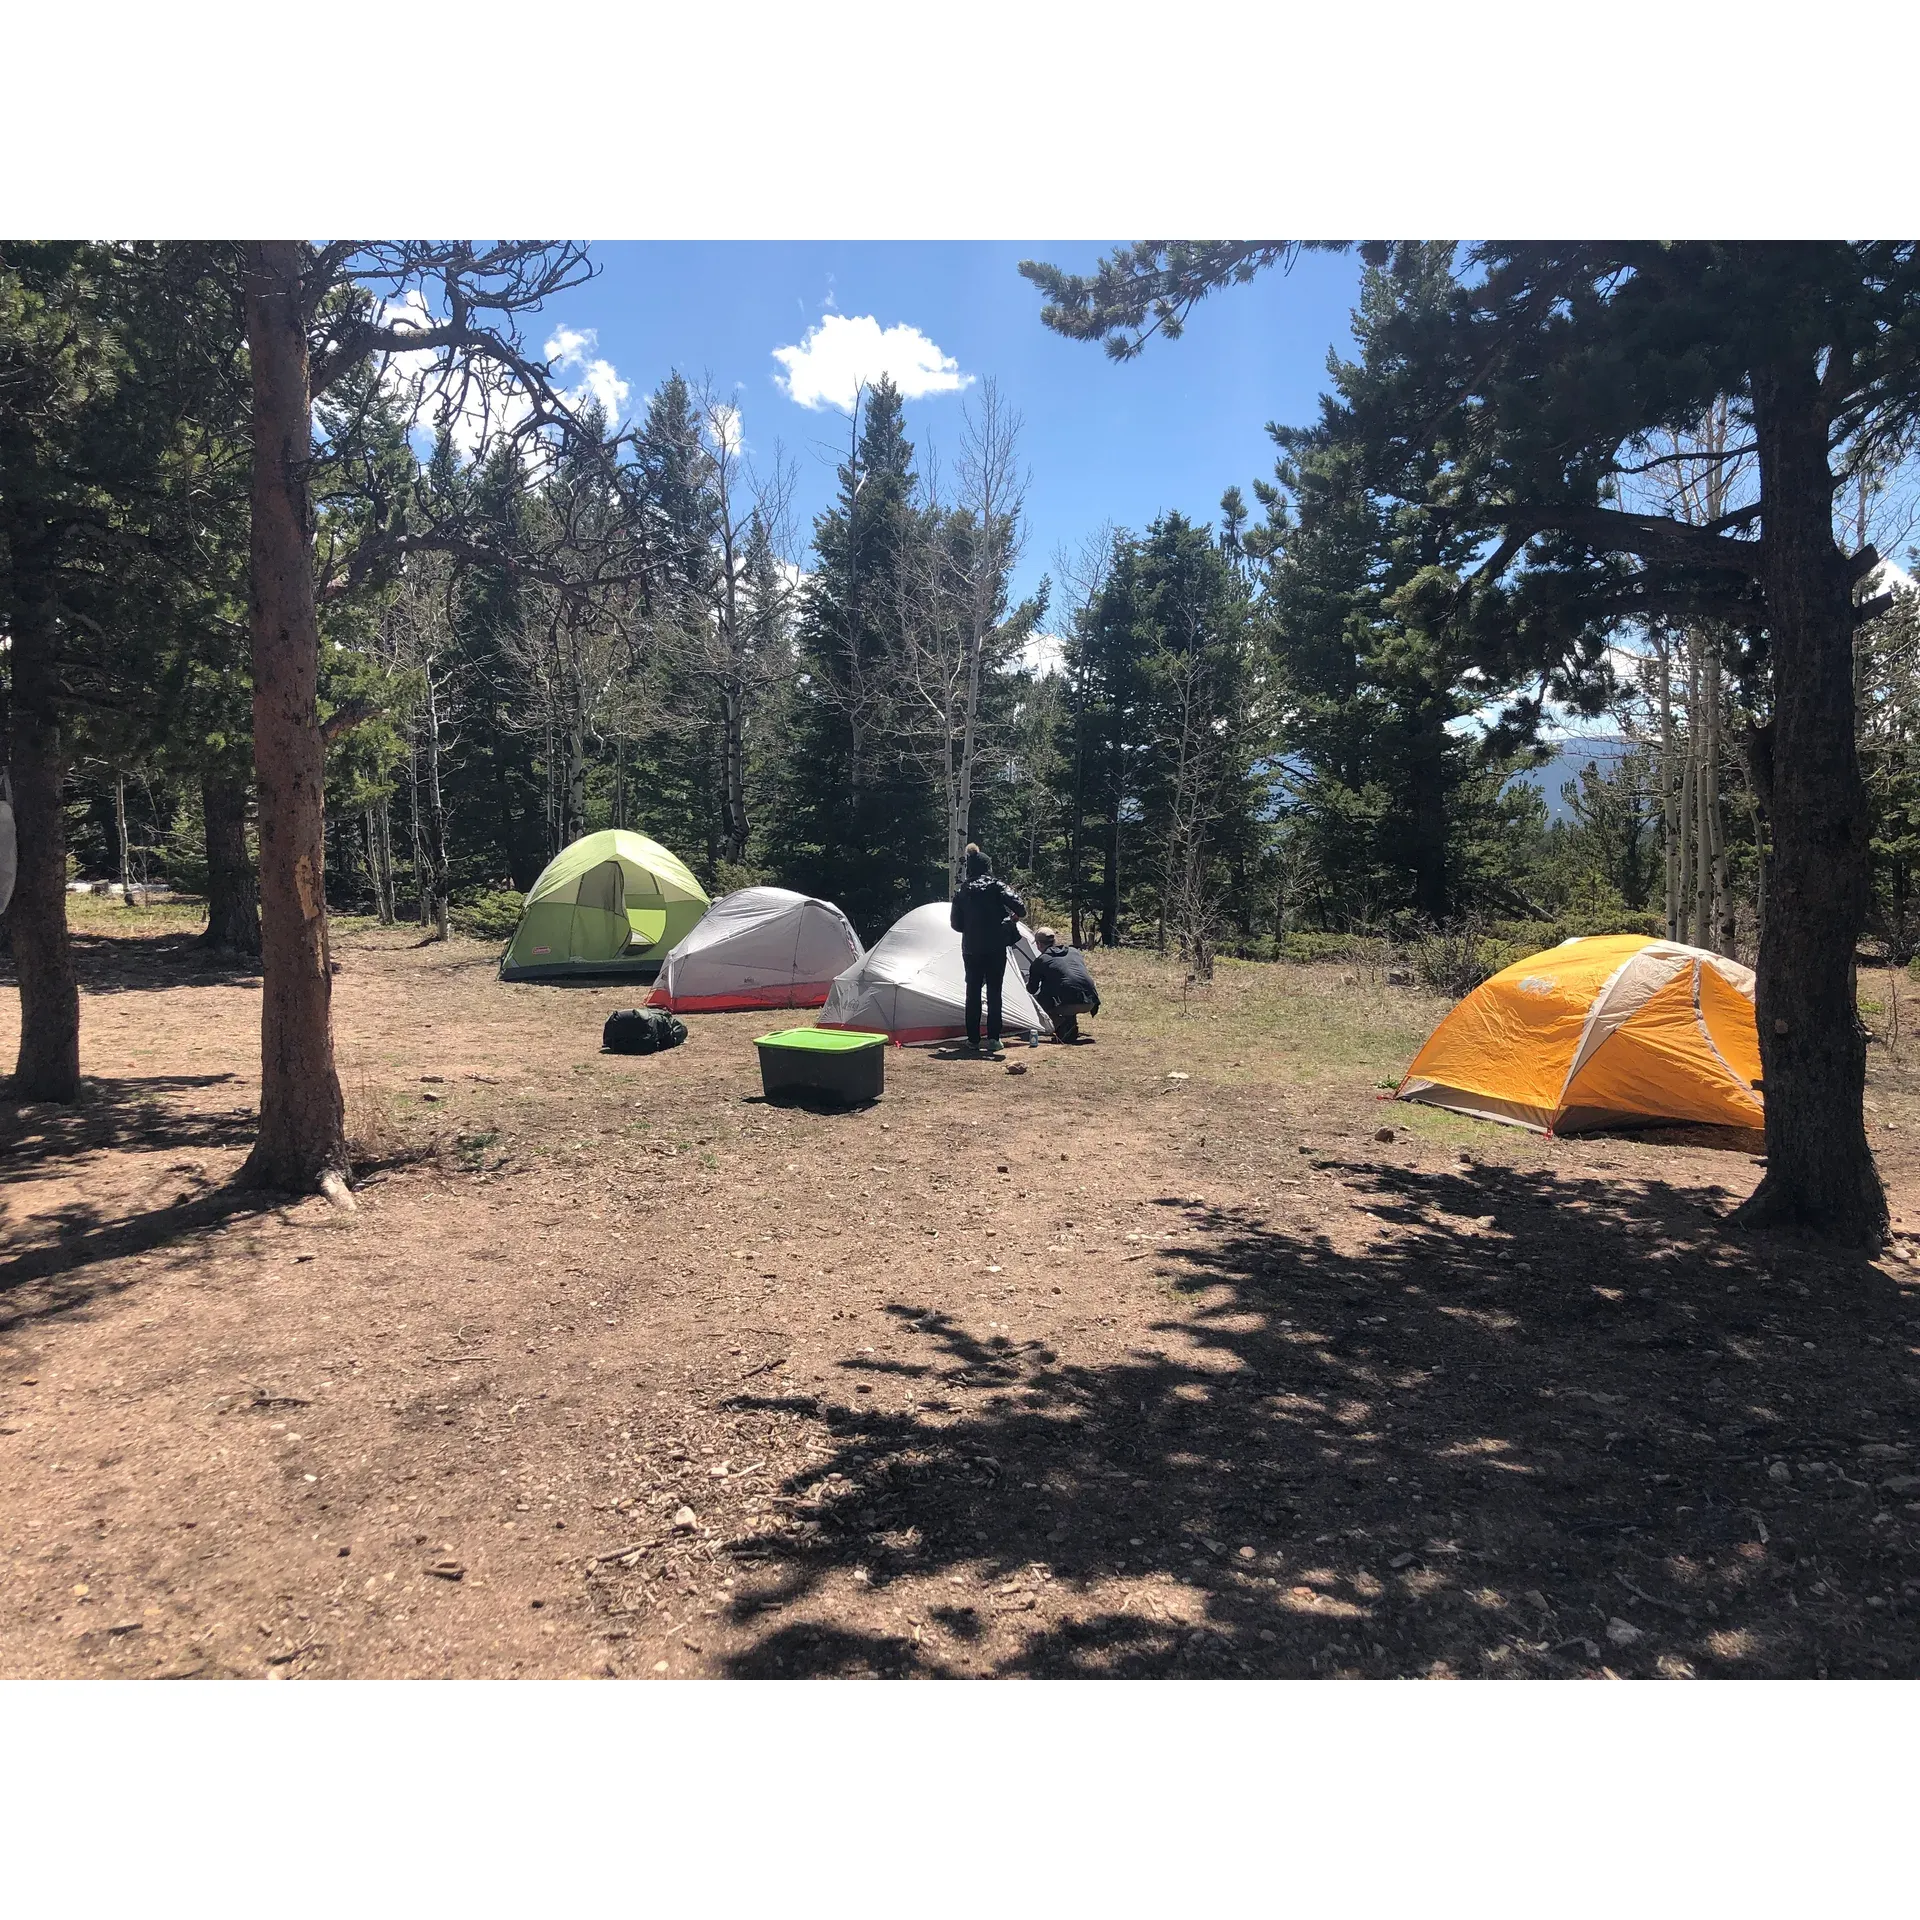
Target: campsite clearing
[{"x": 1180, "y": 1353}]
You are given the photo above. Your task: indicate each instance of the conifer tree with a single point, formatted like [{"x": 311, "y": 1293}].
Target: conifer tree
[
  {"x": 859, "y": 823},
  {"x": 111, "y": 362},
  {"x": 1546, "y": 382},
  {"x": 1364, "y": 564}
]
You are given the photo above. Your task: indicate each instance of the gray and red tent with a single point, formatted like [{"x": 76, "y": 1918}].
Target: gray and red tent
[{"x": 759, "y": 947}]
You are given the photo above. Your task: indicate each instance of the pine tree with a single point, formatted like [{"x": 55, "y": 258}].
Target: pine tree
[
  {"x": 111, "y": 361},
  {"x": 859, "y": 821},
  {"x": 1546, "y": 383},
  {"x": 1364, "y": 559},
  {"x": 1167, "y": 730},
  {"x": 493, "y": 779}
]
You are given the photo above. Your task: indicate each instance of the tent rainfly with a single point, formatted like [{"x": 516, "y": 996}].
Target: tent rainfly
[
  {"x": 610, "y": 906},
  {"x": 759, "y": 947},
  {"x": 1609, "y": 1032},
  {"x": 912, "y": 985}
]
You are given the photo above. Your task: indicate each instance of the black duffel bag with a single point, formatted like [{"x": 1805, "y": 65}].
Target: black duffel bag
[{"x": 641, "y": 1030}]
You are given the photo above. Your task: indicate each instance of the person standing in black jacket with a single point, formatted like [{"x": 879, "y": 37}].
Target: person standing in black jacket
[{"x": 986, "y": 917}]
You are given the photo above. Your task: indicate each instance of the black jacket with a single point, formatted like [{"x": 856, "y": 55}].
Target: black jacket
[
  {"x": 982, "y": 910},
  {"x": 1059, "y": 978}
]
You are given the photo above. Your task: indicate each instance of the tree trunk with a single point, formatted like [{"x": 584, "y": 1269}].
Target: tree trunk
[
  {"x": 47, "y": 1066},
  {"x": 420, "y": 881},
  {"x": 734, "y": 832},
  {"x": 1820, "y": 1169},
  {"x": 1669, "y": 824},
  {"x": 436, "y": 820},
  {"x": 573, "y": 818},
  {"x": 302, "y": 1140},
  {"x": 233, "y": 900},
  {"x": 1689, "y": 811},
  {"x": 733, "y": 751},
  {"x": 120, "y": 837},
  {"x": 386, "y": 858},
  {"x": 370, "y": 854},
  {"x": 1427, "y": 781},
  {"x": 1712, "y": 827},
  {"x": 962, "y": 830},
  {"x": 1110, "y": 866}
]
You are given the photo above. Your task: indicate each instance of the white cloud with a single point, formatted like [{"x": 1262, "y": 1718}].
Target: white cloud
[
  {"x": 848, "y": 351},
  {"x": 476, "y": 409},
  {"x": 408, "y": 314},
  {"x": 723, "y": 424},
  {"x": 1043, "y": 654},
  {"x": 571, "y": 349}
]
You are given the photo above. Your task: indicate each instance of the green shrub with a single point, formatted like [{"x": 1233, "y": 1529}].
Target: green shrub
[
  {"x": 729, "y": 876},
  {"x": 487, "y": 915},
  {"x": 1307, "y": 945}
]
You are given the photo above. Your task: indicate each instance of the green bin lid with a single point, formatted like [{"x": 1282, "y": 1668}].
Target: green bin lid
[{"x": 821, "y": 1040}]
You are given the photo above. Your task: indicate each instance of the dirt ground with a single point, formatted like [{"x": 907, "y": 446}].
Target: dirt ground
[{"x": 1158, "y": 1357}]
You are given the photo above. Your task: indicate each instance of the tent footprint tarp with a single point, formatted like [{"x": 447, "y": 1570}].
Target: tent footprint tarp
[
  {"x": 1599, "y": 1033},
  {"x": 610, "y": 906}
]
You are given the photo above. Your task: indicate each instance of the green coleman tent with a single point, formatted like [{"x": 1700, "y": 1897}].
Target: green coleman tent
[{"x": 610, "y": 905}]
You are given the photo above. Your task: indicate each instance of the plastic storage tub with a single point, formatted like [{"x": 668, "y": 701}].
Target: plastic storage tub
[{"x": 827, "y": 1062}]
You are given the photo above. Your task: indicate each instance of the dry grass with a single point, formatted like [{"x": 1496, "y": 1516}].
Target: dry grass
[
  {"x": 1256, "y": 1019},
  {"x": 100, "y": 913}
]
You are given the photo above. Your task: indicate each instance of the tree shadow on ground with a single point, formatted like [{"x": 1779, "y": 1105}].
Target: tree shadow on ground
[
  {"x": 1750, "y": 1142},
  {"x": 139, "y": 1115},
  {"x": 133, "y": 1112},
  {"x": 56, "y": 1278},
  {"x": 1540, "y": 1426},
  {"x": 150, "y": 963}
]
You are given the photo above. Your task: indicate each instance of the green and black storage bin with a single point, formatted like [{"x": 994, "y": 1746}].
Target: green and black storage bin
[{"x": 823, "y": 1063}]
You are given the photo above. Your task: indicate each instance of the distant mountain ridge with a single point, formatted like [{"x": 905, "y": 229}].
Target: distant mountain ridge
[{"x": 1570, "y": 754}]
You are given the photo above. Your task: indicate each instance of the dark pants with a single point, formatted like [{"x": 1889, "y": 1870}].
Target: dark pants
[
  {"x": 989, "y": 971},
  {"x": 1065, "y": 1016}
]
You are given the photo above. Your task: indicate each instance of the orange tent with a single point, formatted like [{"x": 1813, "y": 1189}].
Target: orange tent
[{"x": 1599, "y": 1033}]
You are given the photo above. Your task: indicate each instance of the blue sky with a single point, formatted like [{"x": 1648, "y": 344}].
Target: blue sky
[{"x": 1103, "y": 441}]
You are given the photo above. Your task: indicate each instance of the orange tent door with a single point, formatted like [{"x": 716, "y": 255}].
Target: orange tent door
[{"x": 1662, "y": 1063}]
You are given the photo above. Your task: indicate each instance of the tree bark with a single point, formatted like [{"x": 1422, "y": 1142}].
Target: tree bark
[
  {"x": 1077, "y": 817},
  {"x": 1820, "y": 1170},
  {"x": 1432, "y": 895},
  {"x": 370, "y": 846},
  {"x": 1669, "y": 820},
  {"x": 302, "y": 1139},
  {"x": 573, "y": 815},
  {"x": 385, "y": 817},
  {"x": 47, "y": 1066},
  {"x": 120, "y": 835},
  {"x": 735, "y": 827},
  {"x": 436, "y": 820},
  {"x": 233, "y": 898},
  {"x": 420, "y": 880},
  {"x": 1110, "y": 870}
]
